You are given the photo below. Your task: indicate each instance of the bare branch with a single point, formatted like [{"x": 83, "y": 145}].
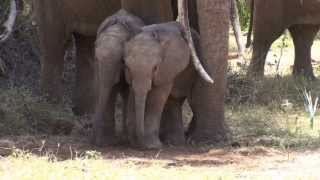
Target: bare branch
[{"x": 9, "y": 23}]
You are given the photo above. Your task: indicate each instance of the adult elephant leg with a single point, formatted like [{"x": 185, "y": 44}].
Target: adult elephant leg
[
  {"x": 83, "y": 94},
  {"x": 171, "y": 126},
  {"x": 208, "y": 99},
  {"x": 52, "y": 44},
  {"x": 263, "y": 39},
  {"x": 303, "y": 37}
]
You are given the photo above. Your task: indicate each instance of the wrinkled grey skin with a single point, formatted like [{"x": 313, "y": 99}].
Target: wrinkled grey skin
[
  {"x": 271, "y": 18},
  {"x": 112, "y": 35},
  {"x": 57, "y": 21},
  {"x": 158, "y": 69},
  {"x": 234, "y": 19}
]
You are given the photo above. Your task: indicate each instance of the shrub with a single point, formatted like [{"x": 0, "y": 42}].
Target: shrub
[{"x": 23, "y": 113}]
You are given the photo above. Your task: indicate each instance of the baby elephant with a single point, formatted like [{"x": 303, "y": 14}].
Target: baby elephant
[
  {"x": 158, "y": 67},
  {"x": 109, "y": 51}
]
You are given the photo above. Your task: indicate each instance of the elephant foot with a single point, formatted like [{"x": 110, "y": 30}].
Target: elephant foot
[
  {"x": 201, "y": 138},
  {"x": 307, "y": 75},
  {"x": 103, "y": 141},
  {"x": 174, "y": 139},
  {"x": 152, "y": 143}
]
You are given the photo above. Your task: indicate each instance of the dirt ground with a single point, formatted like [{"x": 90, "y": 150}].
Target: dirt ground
[{"x": 242, "y": 162}]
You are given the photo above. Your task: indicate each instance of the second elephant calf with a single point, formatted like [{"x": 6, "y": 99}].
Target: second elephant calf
[{"x": 112, "y": 35}]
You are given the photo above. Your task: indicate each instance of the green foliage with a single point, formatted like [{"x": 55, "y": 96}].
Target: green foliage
[{"x": 244, "y": 14}]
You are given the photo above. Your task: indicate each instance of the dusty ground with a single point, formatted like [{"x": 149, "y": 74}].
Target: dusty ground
[{"x": 245, "y": 162}]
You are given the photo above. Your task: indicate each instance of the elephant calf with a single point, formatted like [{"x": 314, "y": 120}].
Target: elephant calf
[
  {"x": 109, "y": 50},
  {"x": 160, "y": 76}
]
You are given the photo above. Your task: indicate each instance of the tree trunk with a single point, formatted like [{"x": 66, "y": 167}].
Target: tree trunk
[
  {"x": 208, "y": 99},
  {"x": 235, "y": 21}
]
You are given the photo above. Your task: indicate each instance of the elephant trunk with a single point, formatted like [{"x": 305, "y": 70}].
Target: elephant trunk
[
  {"x": 140, "y": 106},
  {"x": 9, "y": 23},
  {"x": 184, "y": 20}
]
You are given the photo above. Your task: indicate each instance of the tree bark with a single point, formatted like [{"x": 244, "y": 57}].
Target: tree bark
[
  {"x": 235, "y": 21},
  {"x": 208, "y": 99}
]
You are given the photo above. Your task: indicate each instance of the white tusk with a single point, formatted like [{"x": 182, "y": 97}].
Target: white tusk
[
  {"x": 9, "y": 23},
  {"x": 184, "y": 20}
]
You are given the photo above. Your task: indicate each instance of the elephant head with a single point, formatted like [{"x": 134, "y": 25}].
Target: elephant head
[
  {"x": 153, "y": 58},
  {"x": 9, "y": 22}
]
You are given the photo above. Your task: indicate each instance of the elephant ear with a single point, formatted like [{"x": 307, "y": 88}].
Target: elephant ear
[
  {"x": 175, "y": 58},
  {"x": 112, "y": 20},
  {"x": 132, "y": 28}
]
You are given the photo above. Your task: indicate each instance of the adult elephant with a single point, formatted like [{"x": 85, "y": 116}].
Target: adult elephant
[
  {"x": 57, "y": 21},
  {"x": 234, "y": 20},
  {"x": 301, "y": 18},
  {"x": 209, "y": 125}
]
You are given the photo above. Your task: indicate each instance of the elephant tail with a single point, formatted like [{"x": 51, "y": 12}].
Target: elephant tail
[
  {"x": 249, "y": 41},
  {"x": 184, "y": 20},
  {"x": 9, "y": 23}
]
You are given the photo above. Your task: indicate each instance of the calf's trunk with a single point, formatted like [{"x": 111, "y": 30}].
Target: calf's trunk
[{"x": 140, "y": 106}]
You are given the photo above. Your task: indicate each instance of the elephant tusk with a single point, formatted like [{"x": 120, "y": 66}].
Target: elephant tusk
[
  {"x": 9, "y": 23},
  {"x": 184, "y": 20}
]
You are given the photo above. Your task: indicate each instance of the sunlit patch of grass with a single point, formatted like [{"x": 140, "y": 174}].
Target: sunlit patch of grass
[
  {"x": 23, "y": 165},
  {"x": 271, "y": 112}
]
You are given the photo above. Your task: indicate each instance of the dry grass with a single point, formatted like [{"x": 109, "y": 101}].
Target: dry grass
[
  {"x": 244, "y": 163},
  {"x": 271, "y": 112}
]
